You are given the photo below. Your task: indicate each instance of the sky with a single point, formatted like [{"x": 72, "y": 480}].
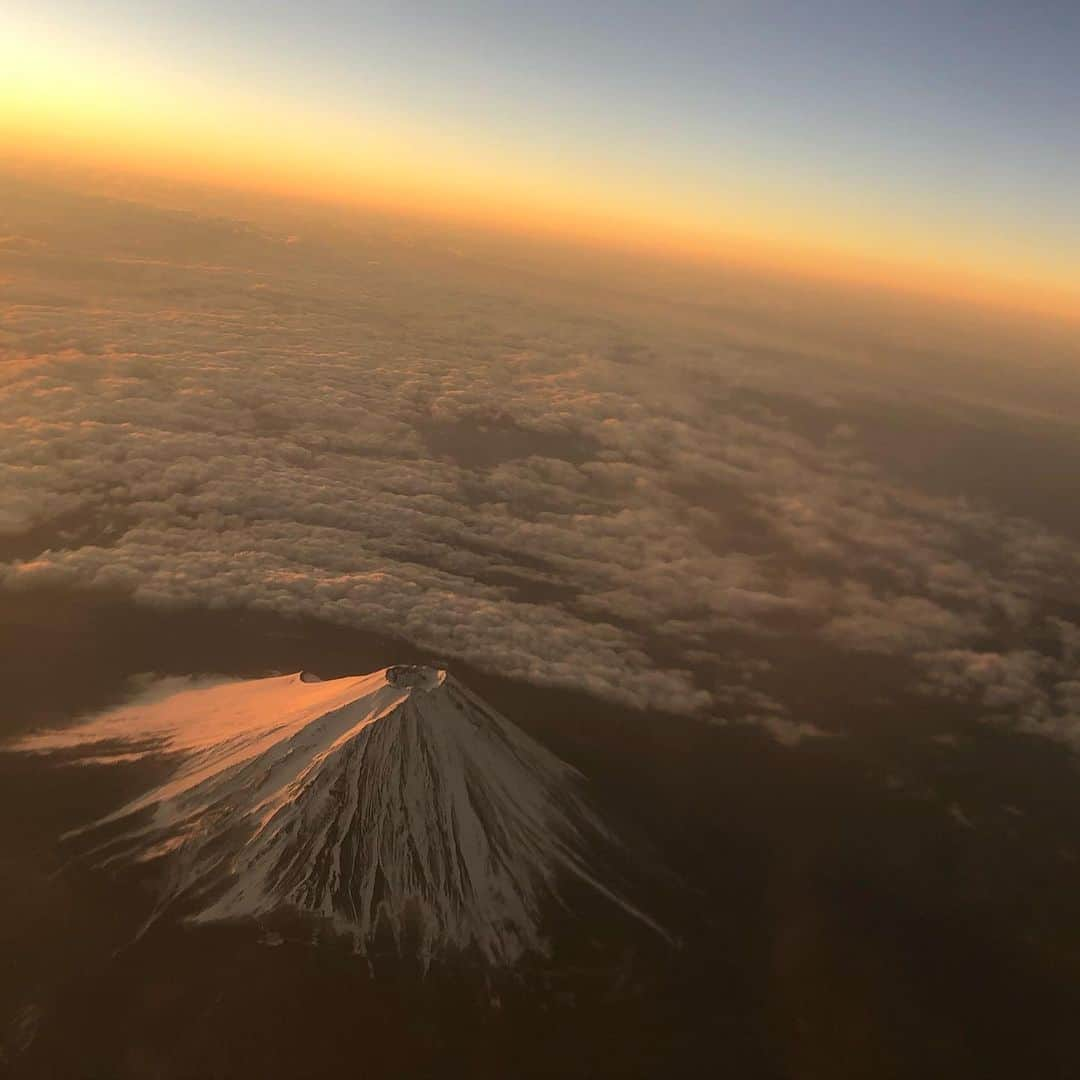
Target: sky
[{"x": 928, "y": 145}]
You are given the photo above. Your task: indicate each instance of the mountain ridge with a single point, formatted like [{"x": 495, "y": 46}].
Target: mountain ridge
[{"x": 396, "y": 803}]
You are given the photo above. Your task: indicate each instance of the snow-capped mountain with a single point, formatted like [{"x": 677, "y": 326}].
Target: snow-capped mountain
[{"x": 396, "y": 802}]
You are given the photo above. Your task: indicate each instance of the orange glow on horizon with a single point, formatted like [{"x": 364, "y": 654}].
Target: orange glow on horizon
[{"x": 422, "y": 175}]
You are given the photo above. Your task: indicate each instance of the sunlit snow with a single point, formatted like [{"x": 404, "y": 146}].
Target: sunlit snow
[{"x": 392, "y": 802}]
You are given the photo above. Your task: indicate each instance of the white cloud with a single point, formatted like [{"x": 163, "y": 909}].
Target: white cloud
[{"x": 257, "y": 430}]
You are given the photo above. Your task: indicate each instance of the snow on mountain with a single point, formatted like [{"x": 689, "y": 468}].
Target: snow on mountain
[{"x": 396, "y": 801}]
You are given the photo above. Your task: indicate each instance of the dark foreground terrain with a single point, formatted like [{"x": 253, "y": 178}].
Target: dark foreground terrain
[{"x": 898, "y": 900}]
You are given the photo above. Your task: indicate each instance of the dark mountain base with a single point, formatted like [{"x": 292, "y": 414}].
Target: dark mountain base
[{"x": 879, "y": 905}]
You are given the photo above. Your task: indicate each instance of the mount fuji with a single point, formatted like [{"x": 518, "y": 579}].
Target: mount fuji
[{"x": 393, "y": 804}]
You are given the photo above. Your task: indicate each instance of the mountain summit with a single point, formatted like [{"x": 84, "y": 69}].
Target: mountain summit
[{"x": 396, "y": 802}]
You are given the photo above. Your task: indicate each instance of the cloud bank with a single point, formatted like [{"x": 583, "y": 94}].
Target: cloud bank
[{"x": 399, "y": 441}]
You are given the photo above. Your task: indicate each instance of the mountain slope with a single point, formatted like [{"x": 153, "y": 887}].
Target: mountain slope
[{"x": 395, "y": 802}]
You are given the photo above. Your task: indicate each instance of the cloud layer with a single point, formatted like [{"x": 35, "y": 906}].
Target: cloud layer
[{"x": 200, "y": 411}]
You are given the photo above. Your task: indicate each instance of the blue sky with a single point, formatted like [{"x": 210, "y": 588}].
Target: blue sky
[{"x": 957, "y": 120}]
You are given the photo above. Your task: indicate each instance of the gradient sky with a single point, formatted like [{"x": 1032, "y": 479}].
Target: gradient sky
[{"x": 937, "y": 139}]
